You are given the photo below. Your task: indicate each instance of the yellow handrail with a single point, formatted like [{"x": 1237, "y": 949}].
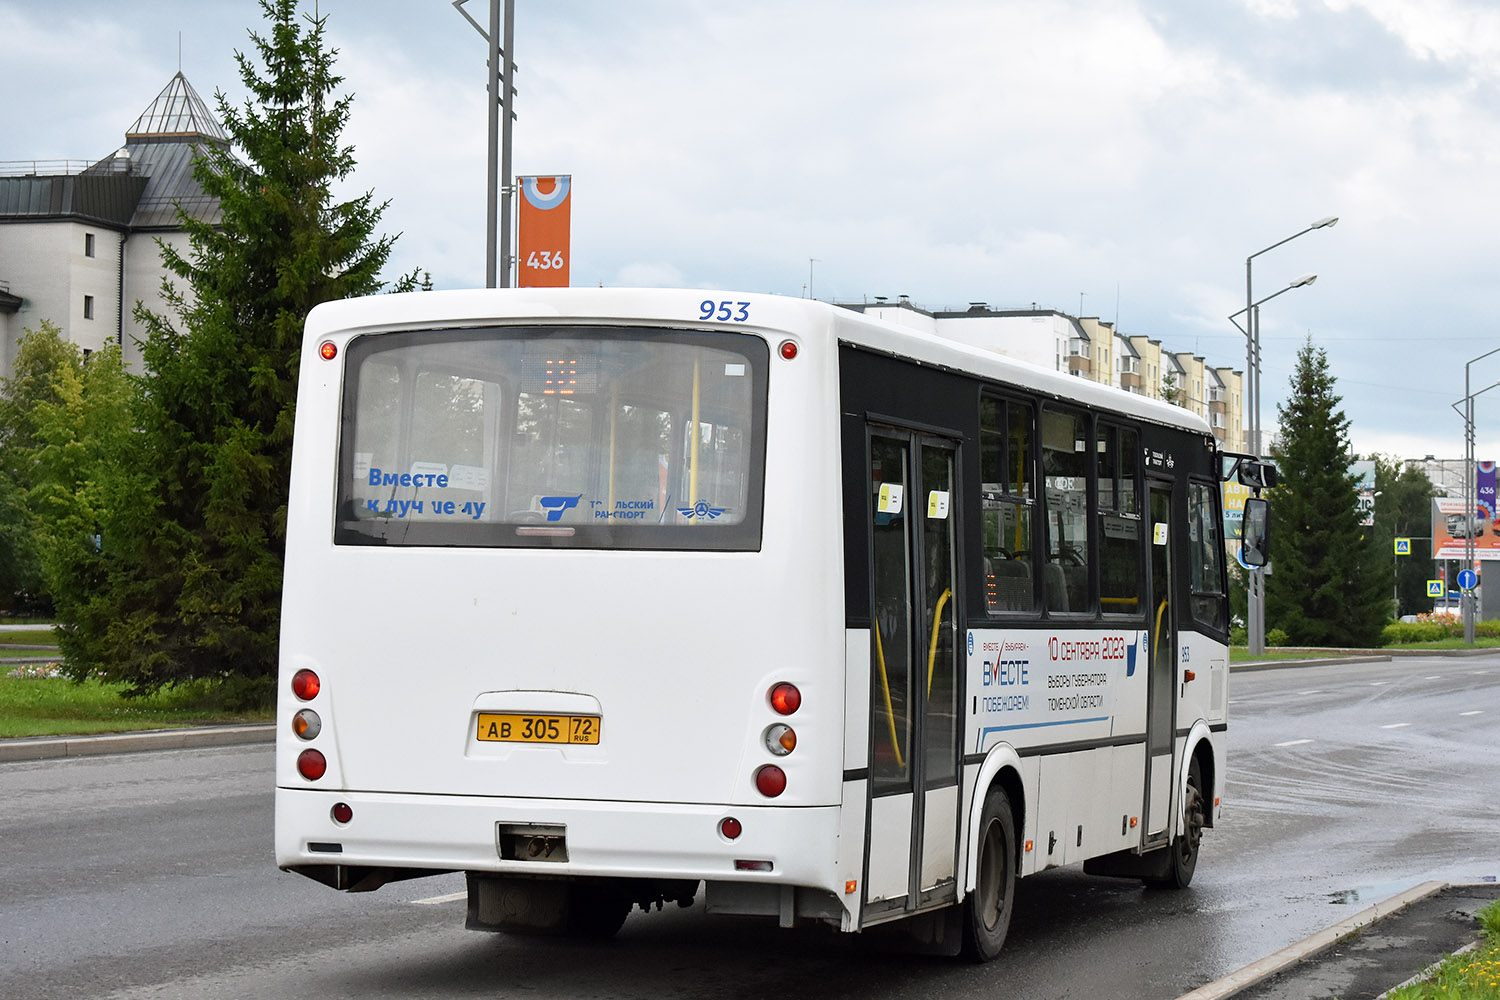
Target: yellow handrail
[
  {"x": 885, "y": 683},
  {"x": 1156, "y": 633},
  {"x": 937, "y": 618}
]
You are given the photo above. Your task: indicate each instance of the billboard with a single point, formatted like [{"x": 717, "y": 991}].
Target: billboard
[
  {"x": 543, "y": 229},
  {"x": 1451, "y": 528},
  {"x": 1235, "y": 496}
]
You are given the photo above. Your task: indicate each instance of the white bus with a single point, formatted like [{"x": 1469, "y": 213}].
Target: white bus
[{"x": 612, "y": 597}]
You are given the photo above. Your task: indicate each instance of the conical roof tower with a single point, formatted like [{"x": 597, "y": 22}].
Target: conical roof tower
[{"x": 160, "y": 146}]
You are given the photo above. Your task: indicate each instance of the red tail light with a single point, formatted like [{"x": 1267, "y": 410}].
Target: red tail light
[
  {"x": 305, "y": 685},
  {"x": 730, "y": 828},
  {"x": 341, "y": 812},
  {"x": 312, "y": 765},
  {"x": 770, "y": 781},
  {"x": 785, "y": 698}
]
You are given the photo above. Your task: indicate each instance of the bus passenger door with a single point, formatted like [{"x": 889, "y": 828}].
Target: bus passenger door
[
  {"x": 914, "y": 807},
  {"x": 1161, "y": 667}
]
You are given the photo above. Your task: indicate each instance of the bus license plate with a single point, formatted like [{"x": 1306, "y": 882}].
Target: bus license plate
[{"x": 569, "y": 729}]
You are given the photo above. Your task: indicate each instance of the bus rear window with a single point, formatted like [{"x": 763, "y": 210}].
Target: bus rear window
[{"x": 553, "y": 436}]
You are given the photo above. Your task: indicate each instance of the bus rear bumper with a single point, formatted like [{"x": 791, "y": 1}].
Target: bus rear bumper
[{"x": 543, "y": 837}]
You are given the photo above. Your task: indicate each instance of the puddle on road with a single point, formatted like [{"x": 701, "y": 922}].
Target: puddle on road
[{"x": 1368, "y": 893}]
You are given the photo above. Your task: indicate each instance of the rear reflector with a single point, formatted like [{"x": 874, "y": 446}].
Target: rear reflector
[
  {"x": 341, "y": 812},
  {"x": 753, "y": 866},
  {"x": 730, "y": 828}
]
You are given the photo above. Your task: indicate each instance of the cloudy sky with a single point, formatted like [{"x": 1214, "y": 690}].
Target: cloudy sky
[{"x": 1120, "y": 158}]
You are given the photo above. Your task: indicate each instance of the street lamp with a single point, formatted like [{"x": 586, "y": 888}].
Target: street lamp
[
  {"x": 1470, "y": 486},
  {"x": 1257, "y": 602}
]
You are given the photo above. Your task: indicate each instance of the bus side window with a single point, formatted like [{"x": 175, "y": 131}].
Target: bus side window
[
  {"x": 1065, "y": 471},
  {"x": 1206, "y": 557},
  {"x": 1120, "y": 521},
  {"x": 1005, "y": 432}
]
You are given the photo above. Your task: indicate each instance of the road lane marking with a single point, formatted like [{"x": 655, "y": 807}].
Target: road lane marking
[
  {"x": 1314, "y": 691},
  {"x": 1376, "y": 684},
  {"x": 1292, "y": 743},
  {"x": 1477, "y": 711},
  {"x": 452, "y": 897},
  {"x": 1435, "y": 677},
  {"x": 1396, "y": 725}
]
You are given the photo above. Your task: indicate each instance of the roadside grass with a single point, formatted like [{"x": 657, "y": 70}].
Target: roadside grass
[
  {"x": 56, "y": 706},
  {"x": 29, "y": 637},
  {"x": 1474, "y": 975}
]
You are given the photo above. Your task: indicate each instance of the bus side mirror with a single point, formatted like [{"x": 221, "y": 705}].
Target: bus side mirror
[
  {"x": 1257, "y": 475},
  {"x": 1255, "y": 533}
]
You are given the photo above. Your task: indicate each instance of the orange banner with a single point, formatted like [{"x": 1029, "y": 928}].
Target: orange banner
[{"x": 543, "y": 226}]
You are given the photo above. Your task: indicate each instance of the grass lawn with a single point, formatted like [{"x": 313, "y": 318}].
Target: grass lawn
[
  {"x": 29, "y": 637},
  {"x": 58, "y": 707}
]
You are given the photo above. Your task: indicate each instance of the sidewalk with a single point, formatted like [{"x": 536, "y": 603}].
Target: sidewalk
[{"x": 1367, "y": 955}]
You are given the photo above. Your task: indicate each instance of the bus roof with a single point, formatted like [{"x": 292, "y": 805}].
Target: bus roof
[{"x": 679, "y": 307}]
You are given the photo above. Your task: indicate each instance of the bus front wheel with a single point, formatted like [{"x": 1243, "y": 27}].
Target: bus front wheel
[
  {"x": 1185, "y": 848},
  {"x": 987, "y": 910}
]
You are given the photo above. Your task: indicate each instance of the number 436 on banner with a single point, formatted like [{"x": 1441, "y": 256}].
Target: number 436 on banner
[{"x": 543, "y": 227}]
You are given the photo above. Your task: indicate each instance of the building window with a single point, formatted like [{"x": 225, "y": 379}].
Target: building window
[
  {"x": 88, "y": 244},
  {"x": 88, "y": 307}
]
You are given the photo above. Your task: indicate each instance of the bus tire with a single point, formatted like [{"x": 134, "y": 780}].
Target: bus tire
[
  {"x": 596, "y": 911},
  {"x": 1185, "y": 848},
  {"x": 987, "y": 909}
]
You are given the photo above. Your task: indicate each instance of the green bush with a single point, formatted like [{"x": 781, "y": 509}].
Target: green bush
[
  {"x": 1276, "y": 637},
  {"x": 1238, "y": 636},
  {"x": 1435, "y": 629}
]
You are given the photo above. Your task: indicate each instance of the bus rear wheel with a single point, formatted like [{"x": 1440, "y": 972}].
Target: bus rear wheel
[{"x": 987, "y": 909}]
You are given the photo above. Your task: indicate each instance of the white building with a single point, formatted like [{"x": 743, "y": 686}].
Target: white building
[{"x": 78, "y": 239}]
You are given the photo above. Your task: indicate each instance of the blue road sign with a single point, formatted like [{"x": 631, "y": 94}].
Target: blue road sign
[{"x": 1468, "y": 580}]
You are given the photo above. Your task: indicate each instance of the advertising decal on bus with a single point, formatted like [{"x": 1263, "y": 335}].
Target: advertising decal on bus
[{"x": 1031, "y": 680}]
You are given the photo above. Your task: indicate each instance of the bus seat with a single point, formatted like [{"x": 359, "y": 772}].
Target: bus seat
[{"x": 1055, "y": 585}]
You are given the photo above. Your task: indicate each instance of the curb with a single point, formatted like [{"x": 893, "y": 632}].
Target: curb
[
  {"x": 1322, "y": 661},
  {"x": 163, "y": 739},
  {"x": 1264, "y": 968}
]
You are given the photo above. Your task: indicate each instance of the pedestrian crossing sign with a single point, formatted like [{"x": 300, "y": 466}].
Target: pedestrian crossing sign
[
  {"x": 1403, "y": 546},
  {"x": 1434, "y": 588}
]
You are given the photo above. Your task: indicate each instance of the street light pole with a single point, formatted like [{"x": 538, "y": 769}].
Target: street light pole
[
  {"x": 1257, "y": 604},
  {"x": 1471, "y": 503},
  {"x": 500, "y": 90}
]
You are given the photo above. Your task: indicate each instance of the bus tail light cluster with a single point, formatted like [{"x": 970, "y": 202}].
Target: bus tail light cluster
[
  {"x": 779, "y": 738},
  {"x": 307, "y": 724}
]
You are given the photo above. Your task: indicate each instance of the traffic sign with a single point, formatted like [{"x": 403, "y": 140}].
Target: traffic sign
[
  {"x": 1403, "y": 546},
  {"x": 1434, "y": 588},
  {"x": 1468, "y": 580}
]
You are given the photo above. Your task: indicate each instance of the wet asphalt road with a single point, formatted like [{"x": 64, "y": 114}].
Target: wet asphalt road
[{"x": 150, "y": 875}]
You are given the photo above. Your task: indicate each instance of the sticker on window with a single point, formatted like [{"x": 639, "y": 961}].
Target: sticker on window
[
  {"x": 890, "y": 499},
  {"x": 1159, "y": 534},
  {"x": 469, "y": 477},
  {"x": 937, "y": 505}
]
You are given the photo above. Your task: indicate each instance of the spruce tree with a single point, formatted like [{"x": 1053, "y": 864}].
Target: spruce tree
[
  {"x": 1326, "y": 588},
  {"x": 193, "y": 535}
]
